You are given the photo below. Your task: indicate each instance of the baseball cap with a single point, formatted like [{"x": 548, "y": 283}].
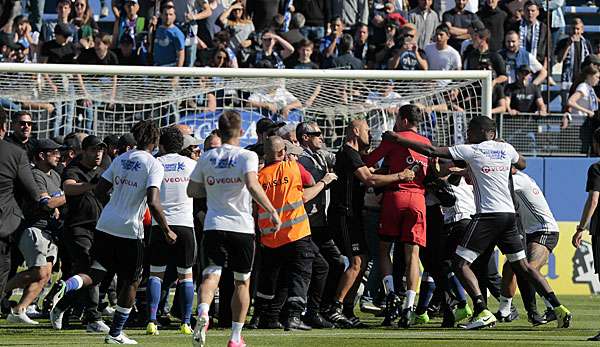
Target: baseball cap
[
  {"x": 266, "y": 124},
  {"x": 63, "y": 29},
  {"x": 46, "y": 145},
  {"x": 189, "y": 140},
  {"x": 126, "y": 140},
  {"x": 291, "y": 148},
  {"x": 71, "y": 142},
  {"x": 92, "y": 141}
]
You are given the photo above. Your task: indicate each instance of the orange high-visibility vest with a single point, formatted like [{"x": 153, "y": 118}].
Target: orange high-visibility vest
[{"x": 283, "y": 185}]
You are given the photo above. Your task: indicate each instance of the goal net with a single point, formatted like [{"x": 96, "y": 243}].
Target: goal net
[{"x": 107, "y": 100}]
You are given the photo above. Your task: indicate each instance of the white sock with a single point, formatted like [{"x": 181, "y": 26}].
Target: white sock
[
  {"x": 203, "y": 309},
  {"x": 388, "y": 284},
  {"x": 236, "y": 331},
  {"x": 548, "y": 304},
  {"x": 504, "y": 307},
  {"x": 79, "y": 281},
  {"x": 409, "y": 302}
]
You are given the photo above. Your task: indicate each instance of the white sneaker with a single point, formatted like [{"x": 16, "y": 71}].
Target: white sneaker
[
  {"x": 97, "y": 327},
  {"x": 199, "y": 336},
  {"x": 20, "y": 318},
  {"x": 482, "y": 320},
  {"x": 108, "y": 311},
  {"x": 122, "y": 339},
  {"x": 56, "y": 318},
  {"x": 32, "y": 312}
]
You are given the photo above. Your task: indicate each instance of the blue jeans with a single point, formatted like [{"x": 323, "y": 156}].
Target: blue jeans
[
  {"x": 64, "y": 110},
  {"x": 190, "y": 55}
]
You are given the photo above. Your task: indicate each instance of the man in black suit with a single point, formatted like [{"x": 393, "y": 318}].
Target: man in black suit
[{"x": 15, "y": 170}]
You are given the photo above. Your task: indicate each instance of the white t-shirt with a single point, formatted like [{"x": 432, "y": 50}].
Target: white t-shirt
[
  {"x": 489, "y": 165},
  {"x": 533, "y": 208},
  {"x": 587, "y": 100},
  {"x": 131, "y": 174},
  {"x": 177, "y": 206},
  {"x": 446, "y": 59},
  {"x": 222, "y": 172},
  {"x": 464, "y": 207}
]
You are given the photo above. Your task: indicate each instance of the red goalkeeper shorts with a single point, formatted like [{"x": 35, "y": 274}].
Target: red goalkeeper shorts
[{"x": 403, "y": 218}]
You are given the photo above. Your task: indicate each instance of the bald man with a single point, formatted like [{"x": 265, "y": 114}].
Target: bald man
[
  {"x": 291, "y": 247},
  {"x": 345, "y": 213}
]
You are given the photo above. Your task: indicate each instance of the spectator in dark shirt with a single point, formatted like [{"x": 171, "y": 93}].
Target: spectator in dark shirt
[
  {"x": 407, "y": 56},
  {"x": 534, "y": 34},
  {"x": 262, "y": 12},
  {"x": 345, "y": 59},
  {"x": 268, "y": 52},
  {"x": 493, "y": 17},
  {"x": 294, "y": 35},
  {"x": 126, "y": 52},
  {"x": 524, "y": 96},
  {"x": 481, "y": 54},
  {"x": 100, "y": 54},
  {"x": 571, "y": 51},
  {"x": 363, "y": 49},
  {"x": 60, "y": 50},
  {"x": 459, "y": 21},
  {"x": 317, "y": 14},
  {"x": 305, "y": 50},
  {"x": 22, "y": 125}
]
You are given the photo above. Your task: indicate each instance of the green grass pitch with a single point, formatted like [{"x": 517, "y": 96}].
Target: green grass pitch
[{"x": 586, "y": 323}]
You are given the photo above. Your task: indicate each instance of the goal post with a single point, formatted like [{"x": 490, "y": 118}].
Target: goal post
[{"x": 109, "y": 99}]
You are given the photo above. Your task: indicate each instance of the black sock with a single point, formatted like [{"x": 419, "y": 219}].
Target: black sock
[
  {"x": 552, "y": 299},
  {"x": 479, "y": 304},
  {"x": 461, "y": 304}
]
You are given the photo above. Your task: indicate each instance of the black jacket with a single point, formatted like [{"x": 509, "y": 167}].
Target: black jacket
[{"x": 15, "y": 171}]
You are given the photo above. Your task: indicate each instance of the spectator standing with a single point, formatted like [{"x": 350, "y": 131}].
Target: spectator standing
[
  {"x": 524, "y": 96},
  {"x": 329, "y": 44},
  {"x": 268, "y": 52},
  {"x": 346, "y": 59},
  {"x": 129, "y": 23},
  {"x": 363, "y": 49},
  {"x": 352, "y": 12},
  {"x": 514, "y": 56},
  {"x": 481, "y": 53},
  {"x": 236, "y": 20},
  {"x": 440, "y": 55},
  {"x": 583, "y": 100},
  {"x": 83, "y": 19},
  {"x": 60, "y": 49},
  {"x": 208, "y": 27},
  {"x": 305, "y": 50},
  {"x": 187, "y": 13},
  {"x": 263, "y": 11},
  {"x": 317, "y": 13},
  {"x": 458, "y": 21},
  {"x": 571, "y": 52},
  {"x": 426, "y": 20},
  {"x": 494, "y": 18},
  {"x": 407, "y": 56},
  {"x": 534, "y": 34},
  {"x": 294, "y": 35},
  {"x": 169, "y": 41},
  {"x": 126, "y": 52},
  {"x": 100, "y": 54},
  {"x": 63, "y": 10}
]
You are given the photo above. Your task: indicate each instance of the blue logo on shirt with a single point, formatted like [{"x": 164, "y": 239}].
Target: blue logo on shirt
[
  {"x": 223, "y": 163},
  {"x": 180, "y": 166},
  {"x": 493, "y": 153},
  {"x": 130, "y": 165}
]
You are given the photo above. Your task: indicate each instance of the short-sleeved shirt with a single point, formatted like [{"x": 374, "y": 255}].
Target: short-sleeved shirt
[
  {"x": 88, "y": 207},
  {"x": 523, "y": 98},
  {"x": 533, "y": 208},
  {"x": 398, "y": 158},
  {"x": 35, "y": 216},
  {"x": 347, "y": 192},
  {"x": 131, "y": 174},
  {"x": 588, "y": 99},
  {"x": 489, "y": 165},
  {"x": 593, "y": 185},
  {"x": 460, "y": 20},
  {"x": 57, "y": 53},
  {"x": 445, "y": 59},
  {"x": 89, "y": 56},
  {"x": 222, "y": 171},
  {"x": 177, "y": 206},
  {"x": 167, "y": 43}
]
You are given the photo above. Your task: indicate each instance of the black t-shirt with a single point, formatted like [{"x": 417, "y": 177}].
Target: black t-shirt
[
  {"x": 304, "y": 66},
  {"x": 347, "y": 192},
  {"x": 522, "y": 98},
  {"x": 474, "y": 56},
  {"x": 57, "y": 53},
  {"x": 459, "y": 20},
  {"x": 593, "y": 184},
  {"x": 88, "y": 207},
  {"x": 494, "y": 22},
  {"x": 27, "y": 146},
  {"x": 89, "y": 56},
  {"x": 133, "y": 59},
  {"x": 497, "y": 94}
]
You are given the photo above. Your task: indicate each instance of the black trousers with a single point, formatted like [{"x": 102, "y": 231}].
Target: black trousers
[
  {"x": 297, "y": 257},
  {"x": 4, "y": 263},
  {"x": 78, "y": 242},
  {"x": 333, "y": 256}
]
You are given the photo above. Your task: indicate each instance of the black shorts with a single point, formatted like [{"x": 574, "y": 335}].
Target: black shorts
[
  {"x": 547, "y": 239},
  {"x": 125, "y": 257},
  {"x": 456, "y": 232},
  {"x": 228, "y": 249},
  {"x": 181, "y": 254},
  {"x": 349, "y": 234},
  {"x": 487, "y": 230}
]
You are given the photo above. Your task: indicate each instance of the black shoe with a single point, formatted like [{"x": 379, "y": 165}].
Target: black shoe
[
  {"x": 269, "y": 324},
  {"x": 535, "y": 318},
  {"x": 448, "y": 321},
  {"x": 253, "y": 324},
  {"x": 355, "y": 321},
  {"x": 594, "y": 338},
  {"x": 335, "y": 316},
  {"x": 295, "y": 323},
  {"x": 514, "y": 314},
  {"x": 550, "y": 316},
  {"x": 407, "y": 318},
  {"x": 316, "y": 321},
  {"x": 392, "y": 309}
]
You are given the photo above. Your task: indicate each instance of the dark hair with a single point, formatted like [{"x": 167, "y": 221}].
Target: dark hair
[
  {"x": 483, "y": 34},
  {"x": 482, "y": 123},
  {"x": 207, "y": 141},
  {"x": 596, "y": 136},
  {"x": 303, "y": 128},
  {"x": 443, "y": 27},
  {"x": 171, "y": 139},
  {"x": 587, "y": 71},
  {"x": 230, "y": 124},
  {"x": 15, "y": 116},
  {"x": 3, "y": 118},
  {"x": 335, "y": 19},
  {"x": 531, "y": 3},
  {"x": 512, "y": 32},
  {"x": 305, "y": 43},
  {"x": 411, "y": 113},
  {"x": 106, "y": 38},
  {"x": 145, "y": 133},
  {"x": 278, "y": 22},
  {"x": 346, "y": 43}
]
